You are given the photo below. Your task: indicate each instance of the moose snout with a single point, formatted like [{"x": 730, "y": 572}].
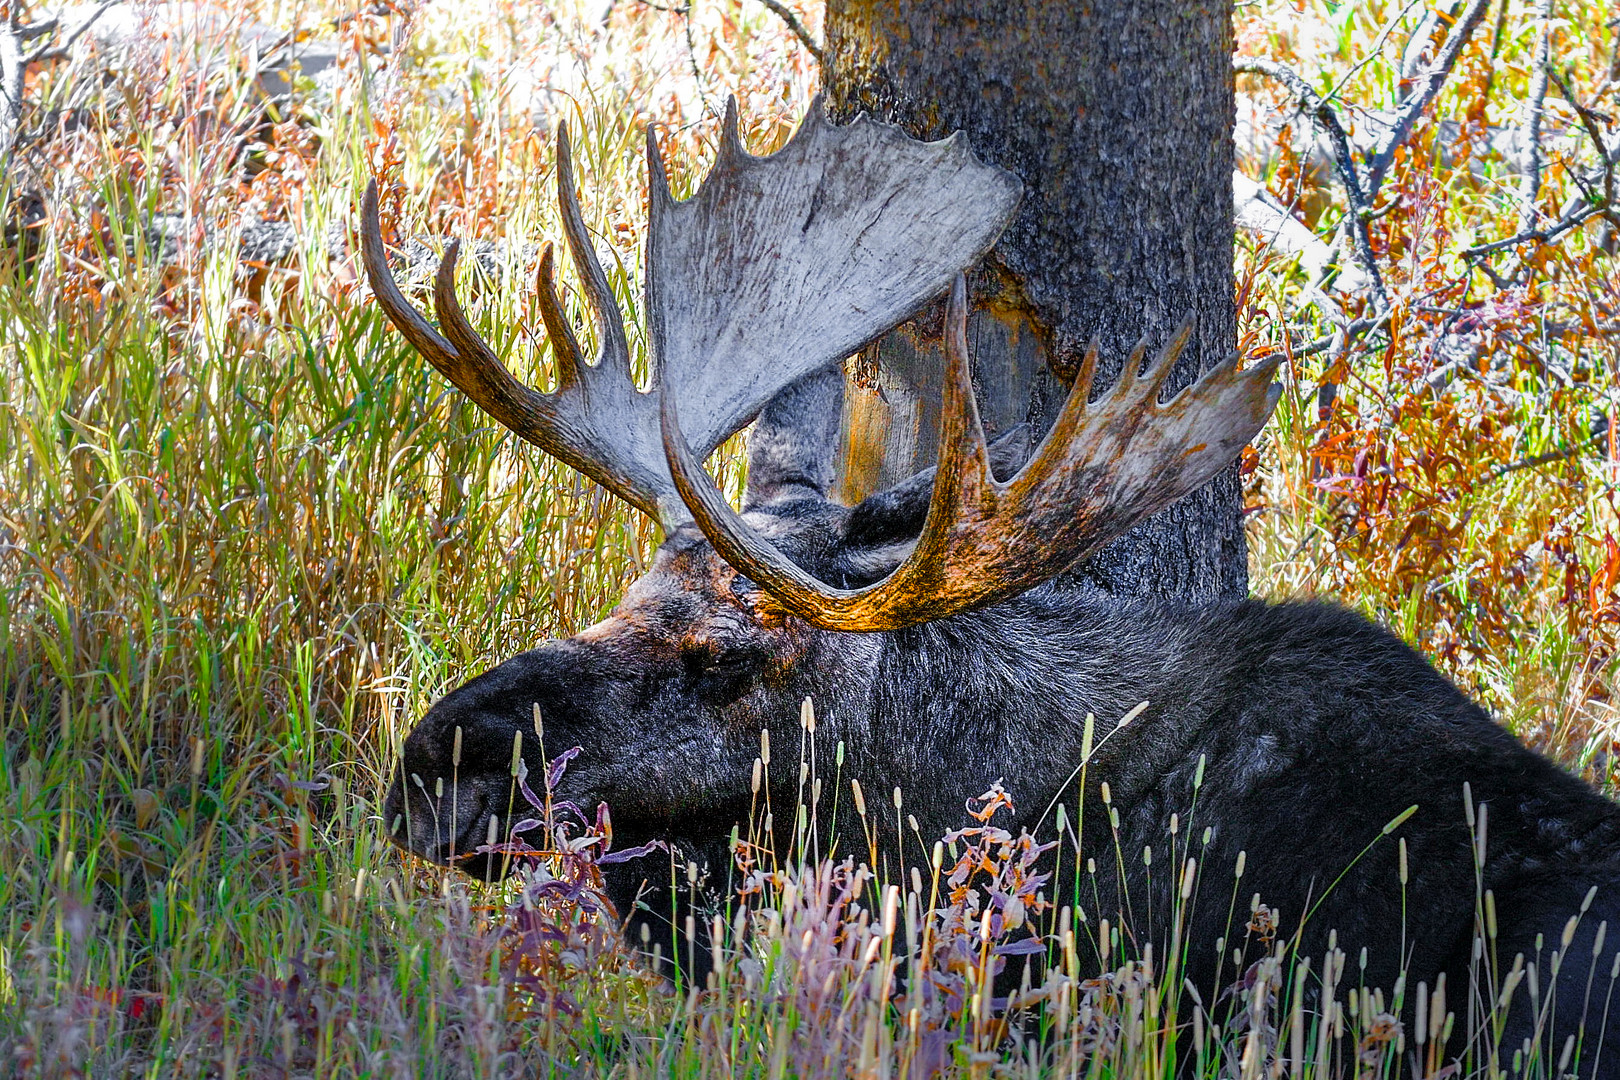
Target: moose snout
[{"x": 443, "y": 823}]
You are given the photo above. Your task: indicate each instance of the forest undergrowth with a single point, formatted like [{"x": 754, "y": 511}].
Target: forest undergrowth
[{"x": 247, "y": 535}]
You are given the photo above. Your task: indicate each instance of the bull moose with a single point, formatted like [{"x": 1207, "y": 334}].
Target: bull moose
[{"x": 924, "y": 624}]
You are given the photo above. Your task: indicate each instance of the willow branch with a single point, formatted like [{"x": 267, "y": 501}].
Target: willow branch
[
  {"x": 1327, "y": 121},
  {"x": 1384, "y": 155},
  {"x": 46, "y": 51},
  {"x": 815, "y": 48},
  {"x": 1530, "y": 182}
]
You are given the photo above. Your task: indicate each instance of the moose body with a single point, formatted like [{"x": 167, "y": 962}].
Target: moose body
[
  {"x": 924, "y": 625},
  {"x": 1311, "y": 729}
]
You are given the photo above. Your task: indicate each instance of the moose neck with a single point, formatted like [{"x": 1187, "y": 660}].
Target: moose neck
[{"x": 1002, "y": 695}]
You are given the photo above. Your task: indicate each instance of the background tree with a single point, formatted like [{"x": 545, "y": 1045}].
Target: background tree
[{"x": 1118, "y": 119}]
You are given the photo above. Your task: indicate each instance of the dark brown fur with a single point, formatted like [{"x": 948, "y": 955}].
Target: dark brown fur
[{"x": 1311, "y": 727}]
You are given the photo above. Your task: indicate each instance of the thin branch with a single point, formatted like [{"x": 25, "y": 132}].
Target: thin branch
[
  {"x": 12, "y": 70},
  {"x": 39, "y": 29},
  {"x": 1496, "y": 49},
  {"x": 1384, "y": 156},
  {"x": 45, "y": 52},
  {"x": 816, "y": 49},
  {"x": 1596, "y": 197},
  {"x": 1327, "y": 121},
  {"x": 1599, "y": 430},
  {"x": 1417, "y": 51},
  {"x": 691, "y": 56},
  {"x": 1530, "y": 182},
  {"x": 1374, "y": 52},
  {"x": 1579, "y": 213},
  {"x": 1591, "y": 121},
  {"x": 1594, "y": 130},
  {"x": 1339, "y": 340}
]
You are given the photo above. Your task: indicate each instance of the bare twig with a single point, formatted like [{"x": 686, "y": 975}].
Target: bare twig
[
  {"x": 1374, "y": 52},
  {"x": 1599, "y": 430},
  {"x": 1596, "y": 198},
  {"x": 1384, "y": 155},
  {"x": 1327, "y": 121},
  {"x": 1591, "y": 121},
  {"x": 1417, "y": 50},
  {"x": 1530, "y": 182},
  {"x": 1496, "y": 49},
  {"x": 39, "y": 29},
  {"x": 12, "y": 69},
  {"x": 1576, "y": 214},
  {"x": 685, "y": 12},
  {"x": 815, "y": 48},
  {"x": 47, "y": 52},
  {"x": 1338, "y": 341},
  {"x": 1594, "y": 131},
  {"x": 14, "y": 64},
  {"x": 691, "y": 56}
]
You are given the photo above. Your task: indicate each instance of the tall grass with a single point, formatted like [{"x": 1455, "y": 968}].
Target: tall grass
[{"x": 246, "y": 536}]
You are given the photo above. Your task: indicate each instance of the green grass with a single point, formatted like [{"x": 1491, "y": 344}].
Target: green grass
[{"x": 247, "y": 536}]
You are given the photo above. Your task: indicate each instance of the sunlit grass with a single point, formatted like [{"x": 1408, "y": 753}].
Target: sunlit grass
[{"x": 246, "y": 536}]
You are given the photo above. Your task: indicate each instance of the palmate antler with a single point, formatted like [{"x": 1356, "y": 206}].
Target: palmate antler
[
  {"x": 1101, "y": 469},
  {"x": 782, "y": 265},
  {"x": 777, "y": 267}
]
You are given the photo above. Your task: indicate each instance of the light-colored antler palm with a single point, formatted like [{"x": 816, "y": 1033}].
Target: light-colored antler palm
[
  {"x": 777, "y": 267},
  {"x": 1101, "y": 469}
]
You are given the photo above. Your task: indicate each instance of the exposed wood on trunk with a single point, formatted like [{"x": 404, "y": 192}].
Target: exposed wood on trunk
[{"x": 1118, "y": 118}]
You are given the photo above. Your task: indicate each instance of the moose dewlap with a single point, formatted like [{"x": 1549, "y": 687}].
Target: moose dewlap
[{"x": 924, "y": 626}]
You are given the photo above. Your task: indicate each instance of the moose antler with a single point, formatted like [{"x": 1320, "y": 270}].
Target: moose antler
[
  {"x": 1101, "y": 469},
  {"x": 596, "y": 421},
  {"x": 777, "y": 267}
]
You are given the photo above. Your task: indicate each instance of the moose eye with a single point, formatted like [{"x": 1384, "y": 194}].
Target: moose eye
[{"x": 711, "y": 659}]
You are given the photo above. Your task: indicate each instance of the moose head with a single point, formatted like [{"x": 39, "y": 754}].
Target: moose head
[{"x": 757, "y": 288}]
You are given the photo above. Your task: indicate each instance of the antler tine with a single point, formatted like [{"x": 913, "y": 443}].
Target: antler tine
[
  {"x": 1166, "y": 360},
  {"x": 1099, "y": 471},
  {"x": 658, "y": 197},
  {"x": 417, "y": 330},
  {"x": 964, "y": 457},
  {"x": 1130, "y": 372},
  {"x": 564, "y": 345},
  {"x": 606, "y": 438},
  {"x": 1087, "y": 373},
  {"x": 736, "y": 543},
  {"x": 453, "y": 320},
  {"x": 614, "y": 350},
  {"x": 731, "y": 146}
]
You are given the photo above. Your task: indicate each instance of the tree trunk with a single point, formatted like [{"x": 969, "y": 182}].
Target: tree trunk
[{"x": 1118, "y": 118}]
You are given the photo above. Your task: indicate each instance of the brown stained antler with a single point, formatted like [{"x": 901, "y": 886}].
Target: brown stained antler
[
  {"x": 1102, "y": 468},
  {"x": 596, "y": 421}
]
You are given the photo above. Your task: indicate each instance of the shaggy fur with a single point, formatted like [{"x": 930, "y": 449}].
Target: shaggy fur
[{"x": 1315, "y": 728}]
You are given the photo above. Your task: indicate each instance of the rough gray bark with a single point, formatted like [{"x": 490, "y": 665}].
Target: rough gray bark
[{"x": 1118, "y": 118}]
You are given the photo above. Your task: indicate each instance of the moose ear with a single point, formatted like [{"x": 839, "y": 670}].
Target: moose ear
[
  {"x": 791, "y": 449},
  {"x": 896, "y": 515}
]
